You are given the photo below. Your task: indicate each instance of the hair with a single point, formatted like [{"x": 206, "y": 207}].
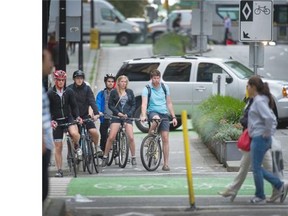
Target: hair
[
  {"x": 119, "y": 79},
  {"x": 262, "y": 88},
  {"x": 155, "y": 72}
]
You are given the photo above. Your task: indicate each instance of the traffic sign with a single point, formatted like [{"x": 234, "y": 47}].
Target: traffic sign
[{"x": 256, "y": 20}]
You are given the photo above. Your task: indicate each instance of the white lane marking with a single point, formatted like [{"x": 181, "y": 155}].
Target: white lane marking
[{"x": 272, "y": 57}]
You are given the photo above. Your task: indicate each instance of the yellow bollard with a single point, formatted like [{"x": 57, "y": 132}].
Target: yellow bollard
[
  {"x": 187, "y": 159},
  {"x": 94, "y": 38}
]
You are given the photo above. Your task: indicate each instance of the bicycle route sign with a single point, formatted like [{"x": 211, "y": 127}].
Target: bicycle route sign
[{"x": 256, "y": 21}]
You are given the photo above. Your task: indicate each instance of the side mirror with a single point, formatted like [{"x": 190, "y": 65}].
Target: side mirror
[{"x": 229, "y": 80}]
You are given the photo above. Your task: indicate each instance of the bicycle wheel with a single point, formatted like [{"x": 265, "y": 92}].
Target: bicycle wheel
[
  {"x": 151, "y": 152},
  {"x": 123, "y": 149},
  {"x": 84, "y": 153},
  {"x": 71, "y": 157},
  {"x": 111, "y": 154},
  {"x": 87, "y": 156},
  {"x": 93, "y": 157}
]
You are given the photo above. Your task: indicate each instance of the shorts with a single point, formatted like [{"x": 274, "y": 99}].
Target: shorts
[
  {"x": 58, "y": 132},
  {"x": 89, "y": 124},
  {"x": 118, "y": 120},
  {"x": 165, "y": 125}
]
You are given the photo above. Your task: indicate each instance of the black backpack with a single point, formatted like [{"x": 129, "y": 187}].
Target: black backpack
[{"x": 149, "y": 92}]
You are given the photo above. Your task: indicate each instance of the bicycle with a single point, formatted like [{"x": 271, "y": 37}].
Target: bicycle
[
  {"x": 71, "y": 155},
  {"x": 263, "y": 9},
  {"x": 89, "y": 157},
  {"x": 120, "y": 146},
  {"x": 151, "y": 150}
]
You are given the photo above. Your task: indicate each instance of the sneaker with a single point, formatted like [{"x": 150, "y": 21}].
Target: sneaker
[
  {"x": 275, "y": 195},
  {"x": 104, "y": 162},
  {"x": 59, "y": 173},
  {"x": 165, "y": 168},
  {"x": 228, "y": 193},
  {"x": 79, "y": 153},
  {"x": 284, "y": 191},
  {"x": 257, "y": 200},
  {"x": 133, "y": 162},
  {"x": 116, "y": 160}
]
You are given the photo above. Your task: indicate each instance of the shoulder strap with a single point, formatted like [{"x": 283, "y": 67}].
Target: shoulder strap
[
  {"x": 164, "y": 89},
  {"x": 149, "y": 94}
]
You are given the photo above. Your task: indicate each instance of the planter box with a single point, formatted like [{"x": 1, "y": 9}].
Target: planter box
[{"x": 230, "y": 152}]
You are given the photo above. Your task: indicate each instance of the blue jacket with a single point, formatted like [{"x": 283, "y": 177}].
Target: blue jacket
[{"x": 100, "y": 102}]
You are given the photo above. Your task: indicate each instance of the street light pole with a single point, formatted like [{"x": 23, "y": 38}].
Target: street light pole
[{"x": 80, "y": 50}]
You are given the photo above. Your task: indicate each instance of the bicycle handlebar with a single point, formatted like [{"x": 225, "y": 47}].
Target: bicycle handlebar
[
  {"x": 118, "y": 117},
  {"x": 67, "y": 124}
]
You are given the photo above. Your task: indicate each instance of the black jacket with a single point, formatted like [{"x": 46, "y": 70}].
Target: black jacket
[
  {"x": 244, "y": 118},
  {"x": 62, "y": 107},
  {"x": 129, "y": 107},
  {"x": 84, "y": 98}
]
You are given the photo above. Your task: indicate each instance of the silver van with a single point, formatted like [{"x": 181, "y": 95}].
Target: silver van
[{"x": 113, "y": 26}]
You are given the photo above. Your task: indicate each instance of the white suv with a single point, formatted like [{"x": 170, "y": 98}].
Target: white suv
[{"x": 190, "y": 81}]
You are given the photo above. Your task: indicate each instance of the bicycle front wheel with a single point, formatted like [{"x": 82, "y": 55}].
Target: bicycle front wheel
[
  {"x": 93, "y": 157},
  {"x": 123, "y": 149},
  {"x": 71, "y": 157},
  {"x": 111, "y": 154},
  {"x": 88, "y": 156},
  {"x": 151, "y": 152}
]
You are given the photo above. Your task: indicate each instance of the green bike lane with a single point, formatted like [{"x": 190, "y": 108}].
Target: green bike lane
[{"x": 161, "y": 185}]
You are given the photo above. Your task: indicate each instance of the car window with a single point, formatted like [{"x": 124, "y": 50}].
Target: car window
[
  {"x": 137, "y": 72},
  {"x": 177, "y": 72},
  {"x": 206, "y": 70},
  {"x": 107, "y": 14},
  {"x": 239, "y": 69}
]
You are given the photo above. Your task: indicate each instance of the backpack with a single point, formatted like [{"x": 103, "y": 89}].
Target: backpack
[{"x": 149, "y": 92}]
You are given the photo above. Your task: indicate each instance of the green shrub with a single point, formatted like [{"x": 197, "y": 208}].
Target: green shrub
[
  {"x": 171, "y": 44},
  {"x": 217, "y": 118}
]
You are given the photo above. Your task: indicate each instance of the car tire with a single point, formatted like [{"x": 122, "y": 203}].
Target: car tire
[
  {"x": 179, "y": 124},
  {"x": 123, "y": 39}
]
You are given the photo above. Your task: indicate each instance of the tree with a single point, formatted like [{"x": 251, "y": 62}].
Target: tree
[{"x": 130, "y": 8}]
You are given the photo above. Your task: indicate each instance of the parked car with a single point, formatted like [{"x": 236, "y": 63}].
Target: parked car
[
  {"x": 158, "y": 28},
  {"x": 190, "y": 82}
]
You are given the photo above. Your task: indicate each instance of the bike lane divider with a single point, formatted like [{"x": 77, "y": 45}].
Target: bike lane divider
[{"x": 155, "y": 185}]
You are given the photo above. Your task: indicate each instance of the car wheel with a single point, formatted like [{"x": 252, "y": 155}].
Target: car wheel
[
  {"x": 179, "y": 123},
  {"x": 123, "y": 39},
  {"x": 142, "y": 126}
]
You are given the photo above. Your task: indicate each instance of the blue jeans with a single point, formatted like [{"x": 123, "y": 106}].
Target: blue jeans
[{"x": 259, "y": 146}]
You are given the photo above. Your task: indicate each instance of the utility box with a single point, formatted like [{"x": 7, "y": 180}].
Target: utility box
[{"x": 94, "y": 38}]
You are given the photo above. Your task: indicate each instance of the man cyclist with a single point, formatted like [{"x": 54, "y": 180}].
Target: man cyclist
[
  {"x": 85, "y": 99},
  {"x": 102, "y": 104},
  {"x": 158, "y": 103},
  {"x": 64, "y": 109}
]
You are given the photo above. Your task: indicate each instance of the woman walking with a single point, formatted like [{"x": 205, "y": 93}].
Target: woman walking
[{"x": 261, "y": 126}]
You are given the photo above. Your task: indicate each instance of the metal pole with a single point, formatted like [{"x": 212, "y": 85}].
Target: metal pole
[
  {"x": 201, "y": 27},
  {"x": 80, "y": 50},
  {"x": 62, "y": 35},
  {"x": 92, "y": 13},
  {"x": 255, "y": 65},
  {"x": 218, "y": 84}
]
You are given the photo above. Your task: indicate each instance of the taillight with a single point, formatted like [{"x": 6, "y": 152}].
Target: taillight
[{"x": 285, "y": 91}]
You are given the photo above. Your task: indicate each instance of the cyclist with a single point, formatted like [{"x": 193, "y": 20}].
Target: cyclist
[
  {"x": 85, "y": 99},
  {"x": 102, "y": 103},
  {"x": 64, "y": 109},
  {"x": 122, "y": 103},
  {"x": 157, "y": 108}
]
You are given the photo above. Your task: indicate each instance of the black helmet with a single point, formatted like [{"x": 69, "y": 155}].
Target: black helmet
[
  {"x": 110, "y": 75},
  {"x": 78, "y": 73}
]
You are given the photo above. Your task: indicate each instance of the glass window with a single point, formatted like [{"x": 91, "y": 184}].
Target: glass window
[
  {"x": 206, "y": 70},
  {"x": 281, "y": 14},
  {"x": 177, "y": 72},
  {"x": 137, "y": 72},
  {"x": 239, "y": 69},
  {"x": 231, "y": 10},
  {"x": 107, "y": 14}
]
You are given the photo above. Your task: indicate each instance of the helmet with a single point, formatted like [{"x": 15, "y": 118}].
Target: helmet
[
  {"x": 110, "y": 75},
  {"x": 60, "y": 74},
  {"x": 78, "y": 73}
]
